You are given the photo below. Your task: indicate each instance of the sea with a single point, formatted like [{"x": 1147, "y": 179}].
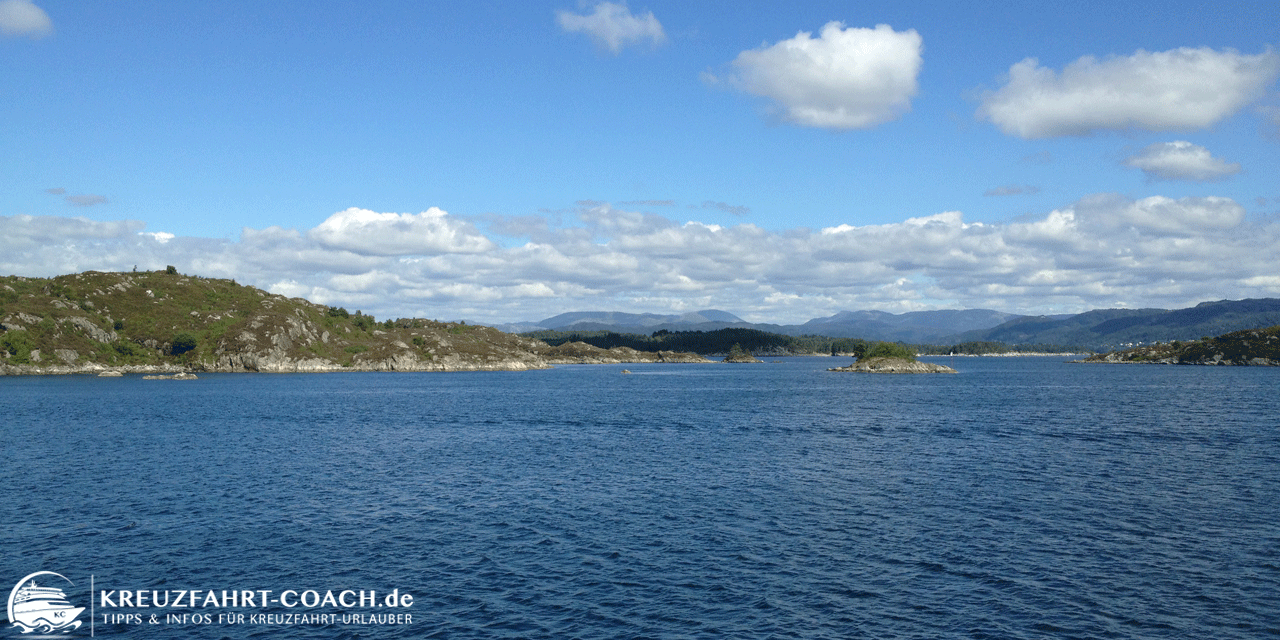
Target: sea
[{"x": 1023, "y": 497}]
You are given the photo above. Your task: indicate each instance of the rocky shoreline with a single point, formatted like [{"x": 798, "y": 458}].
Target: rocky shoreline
[
  {"x": 1248, "y": 348},
  {"x": 544, "y": 358}
]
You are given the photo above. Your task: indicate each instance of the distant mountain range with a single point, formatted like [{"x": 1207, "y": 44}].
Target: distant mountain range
[{"x": 1100, "y": 330}]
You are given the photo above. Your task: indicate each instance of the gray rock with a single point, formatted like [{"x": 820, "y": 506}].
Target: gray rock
[
  {"x": 94, "y": 331},
  {"x": 894, "y": 365}
]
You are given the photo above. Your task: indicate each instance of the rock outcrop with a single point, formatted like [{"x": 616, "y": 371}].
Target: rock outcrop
[{"x": 894, "y": 365}]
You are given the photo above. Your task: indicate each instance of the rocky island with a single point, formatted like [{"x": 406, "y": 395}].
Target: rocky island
[
  {"x": 163, "y": 322},
  {"x": 883, "y": 364},
  {"x": 739, "y": 355},
  {"x": 1251, "y": 347},
  {"x": 890, "y": 357}
]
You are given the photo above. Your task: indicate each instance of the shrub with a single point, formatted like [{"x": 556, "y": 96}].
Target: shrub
[
  {"x": 18, "y": 344},
  {"x": 337, "y": 312},
  {"x": 356, "y": 348},
  {"x": 183, "y": 342},
  {"x": 127, "y": 349},
  {"x": 171, "y": 270}
]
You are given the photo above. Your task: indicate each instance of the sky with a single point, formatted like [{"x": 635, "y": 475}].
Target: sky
[{"x": 509, "y": 161}]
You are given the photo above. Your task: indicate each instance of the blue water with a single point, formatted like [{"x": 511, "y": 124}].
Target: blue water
[{"x": 1021, "y": 498}]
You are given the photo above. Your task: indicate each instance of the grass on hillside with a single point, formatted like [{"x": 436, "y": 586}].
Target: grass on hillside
[{"x": 164, "y": 317}]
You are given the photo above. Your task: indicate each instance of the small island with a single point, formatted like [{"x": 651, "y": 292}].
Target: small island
[
  {"x": 740, "y": 355},
  {"x": 890, "y": 357},
  {"x": 894, "y": 365}
]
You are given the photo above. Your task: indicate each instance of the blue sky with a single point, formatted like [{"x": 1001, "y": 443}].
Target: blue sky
[{"x": 509, "y": 161}]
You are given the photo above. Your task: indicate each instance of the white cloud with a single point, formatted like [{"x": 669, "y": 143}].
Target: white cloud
[
  {"x": 1160, "y": 215},
  {"x": 1181, "y": 160},
  {"x": 43, "y": 229},
  {"x": 1176, "y": 90},
  {"x": 22, "y": 18},
  {"x": 1104, "y": 250},
  {"x": 391, "y": 234},
  {"x": 846, "y": 78},
  {"x": 612, "y": 26}
]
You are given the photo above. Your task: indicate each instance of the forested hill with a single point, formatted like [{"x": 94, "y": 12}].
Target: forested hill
[
  {"x": 719, "y": 341},
  {"x": 1110, "y": 329},
  {"x": 764, "y": 343}
]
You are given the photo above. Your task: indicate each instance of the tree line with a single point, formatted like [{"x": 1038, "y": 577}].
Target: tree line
[{"x": 720, "y": 341}]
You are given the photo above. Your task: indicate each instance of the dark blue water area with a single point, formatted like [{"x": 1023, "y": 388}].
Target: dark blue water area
[{"x": 1020, "y": 498}]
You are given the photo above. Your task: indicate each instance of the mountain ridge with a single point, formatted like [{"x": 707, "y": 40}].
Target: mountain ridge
[{"x": 1096, "y": 329}]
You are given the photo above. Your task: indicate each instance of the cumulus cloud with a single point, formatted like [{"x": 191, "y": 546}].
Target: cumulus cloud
[
  {"x": 1105, "y": 250},
  {"x": 390, "y": 234},
  {"x": 1181, "y": 160},
  {"x": 22, "y": 18},
  {"x": 1176, "y": 90},
  {"x": 1158, "y": 215},
  {"x": 612, "y": 26},
  {"x": 846, "y": 78}
]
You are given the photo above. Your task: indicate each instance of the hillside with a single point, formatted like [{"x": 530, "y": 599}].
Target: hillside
[
  {"x": 940, "y": 326},
  {"x": 1111, "y": 329},
  {"x": 1097, "y": 330},
  {"x": 1256, "y": 347},
  {"x": 164, "y": 322},
  {"x": 914, "y": 327}
]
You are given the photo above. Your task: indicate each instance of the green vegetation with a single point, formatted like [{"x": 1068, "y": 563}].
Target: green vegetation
[
  {"x": 363, "y": 322},
  {"x": 1250, "y": 346},
  {"x": 719, "y": 341},
  {"x": 183, "y": 342},
  {"x": 722, "y": 340},
  {"x": 19, "y": 345},
  {"x": 887, "y": 350},
  {"x": 165, "y": 318},
  {"x": 986, "y": 347}
]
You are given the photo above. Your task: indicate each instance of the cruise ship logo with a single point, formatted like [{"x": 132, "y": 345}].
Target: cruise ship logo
[{"x": 43, "y": 609}]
